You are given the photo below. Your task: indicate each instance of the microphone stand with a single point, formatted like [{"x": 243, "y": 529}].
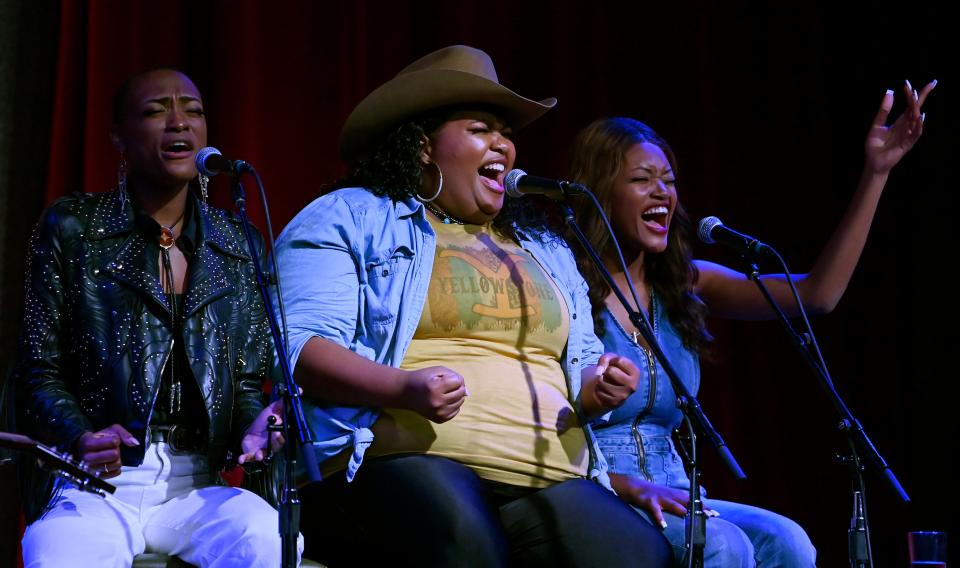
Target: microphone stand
[
  {"x": 294, "y": 426},
  {"x": 860, "y": 554},
  {"x": 695, "y": 521},
  {"x": 693, "y": 413}
]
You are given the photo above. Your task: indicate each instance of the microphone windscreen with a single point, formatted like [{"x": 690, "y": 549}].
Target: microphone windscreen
[
  {"x": 201, "y": 161},
  {"x": 511, "y": 183},
  {"x": 706, "y": 227}
]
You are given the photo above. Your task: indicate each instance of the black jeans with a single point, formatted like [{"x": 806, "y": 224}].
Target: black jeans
[{"x": 418, "y": 510}]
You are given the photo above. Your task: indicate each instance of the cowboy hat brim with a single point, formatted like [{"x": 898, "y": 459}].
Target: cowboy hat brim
[{"x": 414, "y": 93}]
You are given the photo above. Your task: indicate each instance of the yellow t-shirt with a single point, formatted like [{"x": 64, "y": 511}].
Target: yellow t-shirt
[{"x": 493, "y": 315}]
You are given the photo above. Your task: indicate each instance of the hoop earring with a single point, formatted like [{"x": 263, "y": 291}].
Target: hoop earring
[
  {"x": 204, "y": 180},
  {"x": 122, "y": 182},
  {"x": 439, "y": 186}
]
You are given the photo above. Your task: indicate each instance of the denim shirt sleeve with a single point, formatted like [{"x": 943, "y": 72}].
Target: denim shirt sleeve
[
  {"x": 318, "y": 256},
  {"x": 319, "y": 274}
]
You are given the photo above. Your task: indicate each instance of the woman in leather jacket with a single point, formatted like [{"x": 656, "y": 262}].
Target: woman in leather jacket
[{"x": 144, "y": 350}]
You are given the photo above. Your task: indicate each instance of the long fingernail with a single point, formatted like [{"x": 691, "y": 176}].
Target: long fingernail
[
  {"x": 889, "y": 92},
  {"x": 712, "y": 513},
  {"x": 933, "y": 83},
  {"x": 915, "y": 95},
  {"x": 663, "y": 524},
  {"x": 923, "y": 117},
  {"x": 909, "y": 86}
]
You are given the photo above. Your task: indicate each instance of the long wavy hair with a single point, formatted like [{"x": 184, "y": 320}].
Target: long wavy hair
[
  {"x": 598, "y": 156},
  {"x": 393, "y": 169}
]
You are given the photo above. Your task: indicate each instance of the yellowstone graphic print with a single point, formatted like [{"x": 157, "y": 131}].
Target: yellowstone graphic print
[
  {"x": 493, "y": 315},
  {"x": 484, "y": 288}
]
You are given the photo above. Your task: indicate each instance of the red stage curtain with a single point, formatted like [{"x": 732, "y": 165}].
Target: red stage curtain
[{"x": 766, "y": 108}]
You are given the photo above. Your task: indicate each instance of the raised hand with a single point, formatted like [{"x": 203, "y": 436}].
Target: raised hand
[{"x": 886, "y": 145}]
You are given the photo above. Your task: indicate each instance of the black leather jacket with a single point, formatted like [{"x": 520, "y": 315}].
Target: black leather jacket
[{"x": 97, "y": 327}]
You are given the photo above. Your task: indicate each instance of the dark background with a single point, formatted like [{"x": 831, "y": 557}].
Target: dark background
[{"x": 766, "y": 107}]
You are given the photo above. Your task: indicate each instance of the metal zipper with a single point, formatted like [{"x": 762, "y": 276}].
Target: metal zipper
[
  {"x": 651, "y": 398},
  {"x": 231, "y": 369},
  {"x": 635, "y": 428},
  {"x": 156, "y": 391}
]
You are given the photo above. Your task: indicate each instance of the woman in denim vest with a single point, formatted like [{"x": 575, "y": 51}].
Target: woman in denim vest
[{"x": 633, "y": 172}]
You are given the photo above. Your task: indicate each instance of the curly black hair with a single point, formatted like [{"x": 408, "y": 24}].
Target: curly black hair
[{"x": 393, "y": 169}]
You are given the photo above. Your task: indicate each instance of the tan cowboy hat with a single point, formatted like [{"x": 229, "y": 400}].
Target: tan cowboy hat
[{"x": 453, "y": 75}]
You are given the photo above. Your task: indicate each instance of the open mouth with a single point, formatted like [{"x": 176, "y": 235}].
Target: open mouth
[
  {"x": 178, "y": 149},
  {"x": 656, "y": 218},
  {"x": 490, "y": 175}
]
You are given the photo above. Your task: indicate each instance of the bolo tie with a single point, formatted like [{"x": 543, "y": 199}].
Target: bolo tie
[{"x": 167, "y": 240}]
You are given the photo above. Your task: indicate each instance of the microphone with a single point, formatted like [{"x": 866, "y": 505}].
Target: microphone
[
  {"x": 711, "y": 230},
  {"x": 518, "y": 183},
  {"x": 211, "y": 162}
]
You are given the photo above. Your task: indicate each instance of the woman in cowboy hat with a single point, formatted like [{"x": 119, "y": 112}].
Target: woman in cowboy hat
[{"x": 444, "y": 336}]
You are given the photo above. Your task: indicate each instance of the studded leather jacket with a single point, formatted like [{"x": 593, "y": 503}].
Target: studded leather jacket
[{"x": 97, "y": 328}]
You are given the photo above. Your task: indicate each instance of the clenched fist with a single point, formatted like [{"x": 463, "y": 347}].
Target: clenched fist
[
  {"x": 608, "y": 384},
  {"x": 436, "y": 393}
]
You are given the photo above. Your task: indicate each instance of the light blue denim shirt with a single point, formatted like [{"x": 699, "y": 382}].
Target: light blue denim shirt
[{"x": 355, "y": 270}]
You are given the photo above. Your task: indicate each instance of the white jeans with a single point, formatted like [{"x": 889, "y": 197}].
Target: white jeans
[{"x": 165, "y": 505}]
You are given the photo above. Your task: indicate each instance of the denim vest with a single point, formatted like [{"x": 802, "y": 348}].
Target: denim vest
[
  {"x": 637, "y": 438},
  {"x": 355, "y": 270}
]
